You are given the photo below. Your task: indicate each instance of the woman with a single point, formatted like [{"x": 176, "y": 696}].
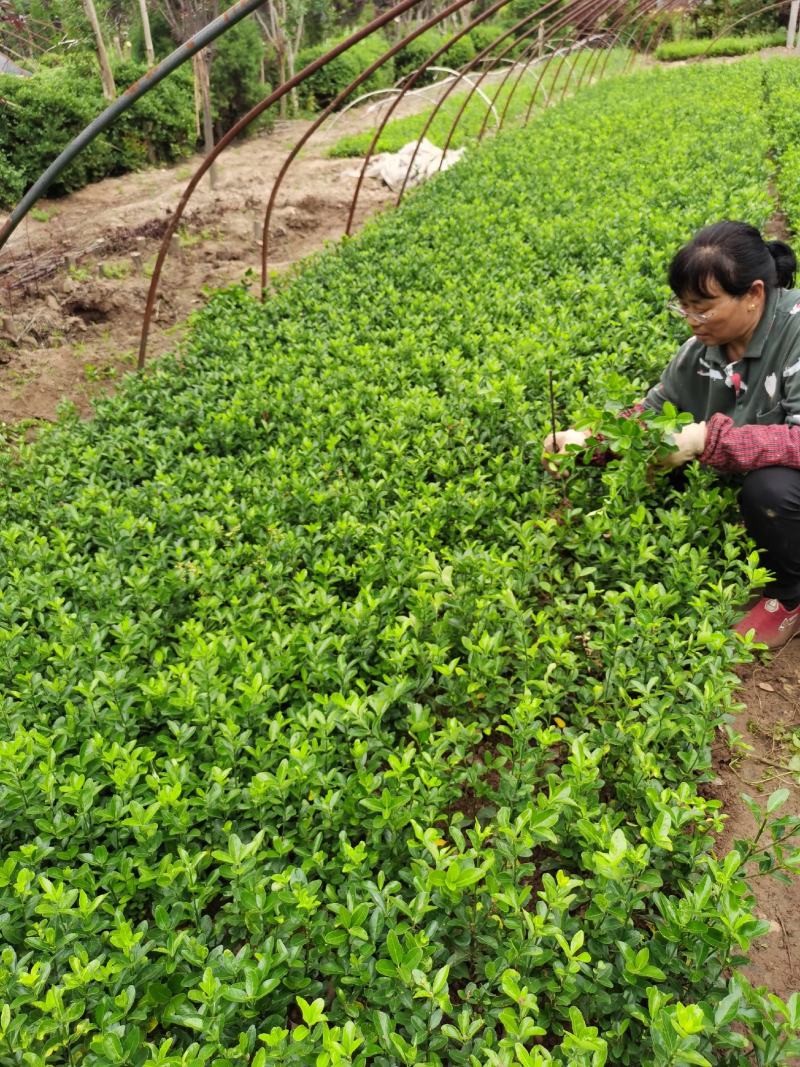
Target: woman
[{"x": 739, "y": 376}]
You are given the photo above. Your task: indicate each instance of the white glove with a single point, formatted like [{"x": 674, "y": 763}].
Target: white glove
[
  {"x": 690, "y": 442},
  {"x": 562, "y": 439}
]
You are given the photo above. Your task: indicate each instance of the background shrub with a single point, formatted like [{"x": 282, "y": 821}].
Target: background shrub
[
  {"x": 417, "y": 52},
  {"x": 236, "y": 84},
  {"x": 325, "y": 84},
  {"x": 46, "y": 111},
  {"x": 160, "y": 126},
  {"x": 42, "y": 115},
  {"x": 484, "y": 35}
]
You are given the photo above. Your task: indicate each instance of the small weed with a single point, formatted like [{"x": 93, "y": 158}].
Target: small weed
[
  {"x": 79, "y": 274},
  {"x": 117, "y": 270},
  {"x": 40, "y": 215},
  {"x": 189, "y": 240},
  {"x": 93, "y": 373}
]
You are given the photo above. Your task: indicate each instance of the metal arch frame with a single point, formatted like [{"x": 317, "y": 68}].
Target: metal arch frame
[
  {"x": 579, "y": 9},
  {"x": 242, "y": 124},
  {"x": 525, "y": 65},
  {"x": 562, "y": 22},
  {"x": 519, "y": 80},
  {"x": 480, "y": 56},
  {"x": 422, "y": 28}
]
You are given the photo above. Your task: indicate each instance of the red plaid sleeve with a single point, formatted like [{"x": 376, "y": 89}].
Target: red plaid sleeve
[{"x": 736, "y": 449}]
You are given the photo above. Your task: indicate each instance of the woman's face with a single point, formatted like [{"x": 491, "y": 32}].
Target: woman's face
[{"x": 719, "y": 318}]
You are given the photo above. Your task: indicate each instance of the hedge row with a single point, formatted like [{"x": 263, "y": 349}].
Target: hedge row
[
  {"x": 670, "y": 51},
  {"x": 335, "y": 731},
  {"x": 41, "y": 114},
  {"x": 327, "y": 83}
]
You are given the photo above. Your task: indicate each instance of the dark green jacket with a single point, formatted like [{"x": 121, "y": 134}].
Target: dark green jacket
[{"x": 763, "y": 387}]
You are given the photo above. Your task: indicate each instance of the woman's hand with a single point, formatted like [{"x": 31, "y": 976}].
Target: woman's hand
[
  {"x": 562, "y": 439},
  {"x": 690, "y": 443},
  {"x": 558, "y": 446}
]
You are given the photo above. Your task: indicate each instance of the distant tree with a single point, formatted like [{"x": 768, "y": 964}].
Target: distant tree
[
  {"x": 106, "y": 74},
  {"x": 282, "y": 22},
  {"x": 186, "y": 18}
]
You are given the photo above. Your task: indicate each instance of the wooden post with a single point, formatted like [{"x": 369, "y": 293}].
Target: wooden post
[
  {"x": 148, "y": 40},
  {"x": 790, "y": 33},
  {"x": 109, "y": 88}
]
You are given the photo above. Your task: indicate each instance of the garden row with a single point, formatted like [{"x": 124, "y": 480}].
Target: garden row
[
  {"x": 703, "y": 47},
  {"x": 465, "y": 115},
  {"x": 334, "y": 730}
]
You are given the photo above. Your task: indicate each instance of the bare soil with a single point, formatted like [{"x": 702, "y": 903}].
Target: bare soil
[
  {"x": 768, "y": 724},
  {"x": 71, "y": 334},
  {"x": 74, "y": 277}
]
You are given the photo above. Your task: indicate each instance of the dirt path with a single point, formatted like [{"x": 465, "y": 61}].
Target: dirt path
[{"x": 72, "y": 334}]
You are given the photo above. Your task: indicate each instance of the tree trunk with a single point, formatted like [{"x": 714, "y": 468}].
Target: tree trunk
[
  {"x": 281, "y": 80},
  {"x": 198, "y": 100},
  {"x": 148, "y": 40},
  {"x": 208, "y": 122},
  {"x": 109, "y": 88}
]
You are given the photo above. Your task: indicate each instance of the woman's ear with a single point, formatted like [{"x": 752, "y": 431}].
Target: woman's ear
[{"x": 756, "y": 290}]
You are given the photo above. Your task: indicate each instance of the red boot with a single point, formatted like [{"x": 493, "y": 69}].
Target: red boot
[{"x": 774, "y": 625}]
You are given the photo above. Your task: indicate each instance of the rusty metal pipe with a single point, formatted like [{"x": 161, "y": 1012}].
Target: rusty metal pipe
[
  {"x": 562, "y": 21},
  {"x": 468, "y": 67},
  {"x": 519, "y": 80},
  {"x": 422, "y": 28},
  {"x": 605, "y": 54},
  {"x": 592, "y": 5},
  {"x": 601, "y": 13},
  {"x": 465, "y": 103},
  {"x": 413, "y": 78},
  {"x": 524, "y": 57}
]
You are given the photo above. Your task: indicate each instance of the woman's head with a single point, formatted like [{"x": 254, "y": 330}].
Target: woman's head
[
  {"x": 721, "y": 278},
  {"x": 734, "y": 255}
]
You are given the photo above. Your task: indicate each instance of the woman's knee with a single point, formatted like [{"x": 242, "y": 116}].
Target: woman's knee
[{"x": 771, "y": 491}]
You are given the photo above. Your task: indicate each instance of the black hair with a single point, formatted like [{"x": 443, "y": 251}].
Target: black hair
[{"x": 733, "y": 254}]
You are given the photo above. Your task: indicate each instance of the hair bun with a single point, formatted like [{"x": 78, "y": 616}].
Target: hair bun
[{"x": 785, "y": 262}]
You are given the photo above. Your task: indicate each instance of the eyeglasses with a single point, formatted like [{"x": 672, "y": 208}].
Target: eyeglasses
[{"x": 695, "y": 316}]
